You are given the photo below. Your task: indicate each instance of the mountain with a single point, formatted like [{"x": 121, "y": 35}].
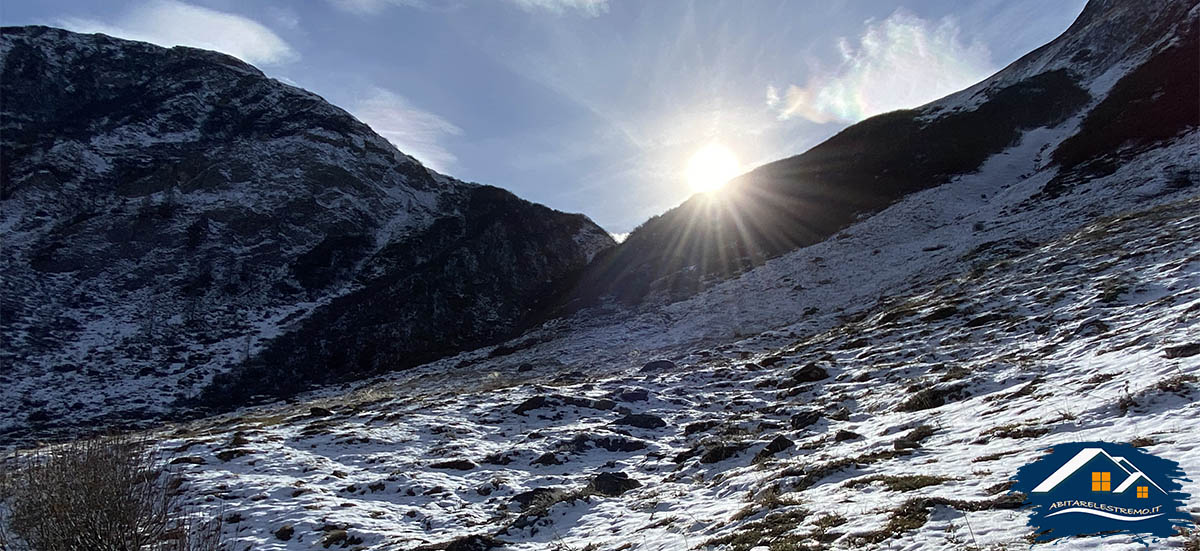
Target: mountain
[
  {"x": 1129, "y": 69},
  {"x": 877, "y": 389},
  {"x": 171, "y": 213}
]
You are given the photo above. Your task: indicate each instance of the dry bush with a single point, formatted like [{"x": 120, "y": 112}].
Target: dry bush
[{"x": 101, "y": 494}]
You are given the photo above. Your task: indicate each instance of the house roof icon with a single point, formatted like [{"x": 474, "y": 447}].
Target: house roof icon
[{"x": 1133, "y": 474}]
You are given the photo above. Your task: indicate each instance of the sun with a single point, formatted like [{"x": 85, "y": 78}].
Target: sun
[{"x": 710, "y": 167}]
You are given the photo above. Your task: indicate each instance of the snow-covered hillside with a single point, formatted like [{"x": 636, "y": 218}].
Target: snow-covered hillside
[{"x": 893, "y": 421}]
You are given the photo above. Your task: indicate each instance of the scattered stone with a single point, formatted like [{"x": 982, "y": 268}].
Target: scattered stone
[
  {"x": 456, "y": 464},
  {"x": 809, "y": 373},
  {"x": 285, "y": 532},
  {"x": 638, "y": 395},
  {"x": 642, "y": 421},
  {"x": 536, "y": 494},
  {"x": 844, "y": 435},
  {"x": 805, "y": 419},
  {"x": 657, "y": 365},
  {"x": 498, "y": 459},
  {"x": 721, "y": 453},
  {"x": 940, "y": 314},
  {"x": 618, "y": 444},
  {"x": 524, "y": 367},
  {"x": 532, "y": 403},
  {"x": 188, "y": 460},
  {"x": 840, "y": 414},
  {"x": 469, "y": 543},
  {"x": 547, "y": 459},
  {"x": 1182, "y": 351},
  {"x": 699, "y": 426},
  {"x": 612, "y": 484},
  {"x": 230, "y": 455},
  {"x": 777, "y": 445},
  {"x": 317, "y": 411}
]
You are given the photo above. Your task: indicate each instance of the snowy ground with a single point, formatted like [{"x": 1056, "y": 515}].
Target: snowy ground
[{"x": 1026, "y": 323}]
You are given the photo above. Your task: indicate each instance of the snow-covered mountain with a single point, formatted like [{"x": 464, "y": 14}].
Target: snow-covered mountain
[
  {"x": 1029, "y": 276},
  {"x": 874, "y": 390},
  {"x": 169, "y": 213}
]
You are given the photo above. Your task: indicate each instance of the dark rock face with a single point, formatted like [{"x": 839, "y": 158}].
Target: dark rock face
[
  {"x": 641, "y": 421},
  {"x": 455, "y": 464},
  {"x": 613, "y": 484},
  {"x": 804, "y": 419},
  {"x": 162, "y": 198}
]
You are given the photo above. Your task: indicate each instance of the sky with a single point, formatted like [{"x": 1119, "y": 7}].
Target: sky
[{"x": 594, "y": 106}]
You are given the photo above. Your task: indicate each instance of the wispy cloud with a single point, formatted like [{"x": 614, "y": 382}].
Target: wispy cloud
[
  {"x": 591, "y": 8},
  {"x": 902, "y": 61},
  {"x": 415, "y": 132},
  {"x": 174, "y": 23}
]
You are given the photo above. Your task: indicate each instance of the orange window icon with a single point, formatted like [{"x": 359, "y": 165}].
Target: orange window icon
[
  {"x": 1101, "y": 482},
  {"x": 1143, "y": 491}
]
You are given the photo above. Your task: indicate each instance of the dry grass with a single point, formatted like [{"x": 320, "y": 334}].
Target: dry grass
[{"x": 101, "y": 494}]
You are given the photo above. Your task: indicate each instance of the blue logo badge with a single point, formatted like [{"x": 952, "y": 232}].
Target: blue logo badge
[{"x": 1099, "y": 488}]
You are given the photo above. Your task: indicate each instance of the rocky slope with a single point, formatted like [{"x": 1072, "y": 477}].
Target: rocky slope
[
  {"x": 170, "y": 213},
  {"x": 805, "y": 199}
]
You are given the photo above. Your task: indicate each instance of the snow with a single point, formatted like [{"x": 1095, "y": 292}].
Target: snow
[{"x": 1065, "y": 360}]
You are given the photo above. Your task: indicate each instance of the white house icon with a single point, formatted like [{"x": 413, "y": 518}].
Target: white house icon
[{"x": 1082, "y": 458}]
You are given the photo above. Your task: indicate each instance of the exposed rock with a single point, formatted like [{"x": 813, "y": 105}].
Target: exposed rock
[
  {"x": 657, "y": 365},
  {"x": 844, "y": 435},
  {"x": 612, "y": 484},
  {"x": 805, "y": 419},
  {"x": 809, "y": 373},
  {"x": 641, "y": 421},
  {"x": 546, "y": 459},
  {"x": 525, "y": 367},
  {"x": 230, "y": 455},
  {"x": 722, "y": 452},
  {"x": 699, "y": 426},
  {"x": 532, "y": 403},
  {"x": 536, "y": 494},
  {"x": 285, "y": 532},
  {"x": 188, "y": 460},
  {"x": 456, "y": 464},
  {"x": 775, "y": 446},
  {"x": 318, "y": 411},
  {"x": 633, "y": 395},
  {"x": 1182, "y": 351}
]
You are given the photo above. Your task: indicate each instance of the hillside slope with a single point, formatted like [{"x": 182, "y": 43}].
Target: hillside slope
[{"x": 168, "y": 214}]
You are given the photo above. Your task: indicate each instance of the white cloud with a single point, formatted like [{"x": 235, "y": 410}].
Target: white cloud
[
  {"x": 415, "y": 132},
  {"x": 900, "y": 62},
  {"x": 371, "y": 7},
  {"x": 619, "y": 237},
  {"x": 591, "y": 8},
  {"x": 173, "y": 23}
]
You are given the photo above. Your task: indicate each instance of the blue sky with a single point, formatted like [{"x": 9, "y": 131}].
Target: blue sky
[{"x": 594, "y": 106}]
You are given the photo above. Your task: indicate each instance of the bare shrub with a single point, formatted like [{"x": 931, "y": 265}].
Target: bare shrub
[{"x": 100, "y": 494}]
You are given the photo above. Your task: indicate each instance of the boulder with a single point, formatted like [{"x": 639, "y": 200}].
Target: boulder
[
  {"x": 805, "y": 419},
  {"x": 547, "y": 459},
  {"x": 612, "y": 484},
  {"x": 285, "y": 532},
  {"x": 809, "y": 373},
  {"x": 455, "y": 464},
  {"x": 775, "y": 446},
  {"x": 657, "y": 365},
  {"x": 642, "y": 421},
  {"x": 844, "y": 435}
]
